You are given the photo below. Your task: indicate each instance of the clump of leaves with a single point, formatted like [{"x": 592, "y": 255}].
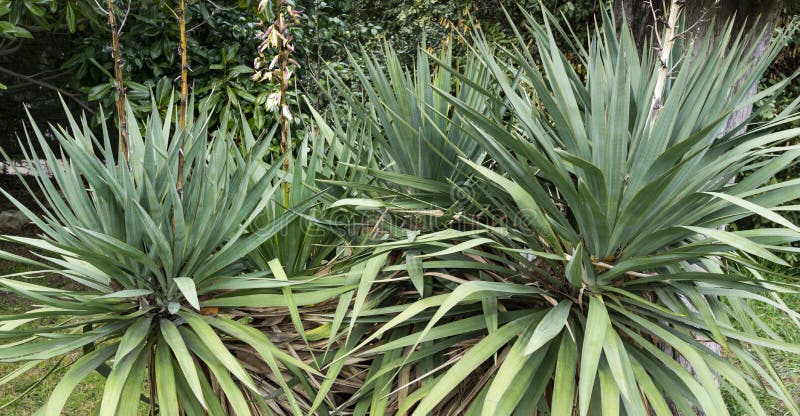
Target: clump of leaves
[
  {"x": 600, "y": 258},
  {"x": 146, "y": 260},
  {"x": 415, "y": 133}
]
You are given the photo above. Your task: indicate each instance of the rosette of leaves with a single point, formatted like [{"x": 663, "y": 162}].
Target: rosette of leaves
[
  {"x": 416, "y": 141},
  {"x": 311, "y": 240},
  {"x": 325, "y": 247},
  {"x": 144, "y": 260},
  {"x": 420, "y": 141},
  {"x": 601, "y": 266}
]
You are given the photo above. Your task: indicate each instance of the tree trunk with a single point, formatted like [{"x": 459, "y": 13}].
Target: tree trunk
[
  {"x": 751, "y": 15},
  {"x": 705, "y": 18},
  {"x": 639, "y": 15}
]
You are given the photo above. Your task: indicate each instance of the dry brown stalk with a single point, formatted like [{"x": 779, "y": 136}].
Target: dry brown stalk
[
  {"x": 184, "y": 91},
  {"x": 115, "y": 50}
]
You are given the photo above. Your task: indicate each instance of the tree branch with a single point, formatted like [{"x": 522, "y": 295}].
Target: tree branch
[
  {"x": 46, "y": 85},
  {"x": 11, "y": 50},
  {"x": 666, "y": 44}
]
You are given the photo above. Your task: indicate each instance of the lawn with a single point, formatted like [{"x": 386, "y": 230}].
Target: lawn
[
  {"x": 25, "y": 394},
  {"x": 787, "y": 364}
]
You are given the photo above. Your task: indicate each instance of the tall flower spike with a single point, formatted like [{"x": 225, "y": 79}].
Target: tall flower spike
[{"x": 278, "y": 38}]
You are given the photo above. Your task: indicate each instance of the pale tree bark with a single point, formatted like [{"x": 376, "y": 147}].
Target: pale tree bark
[{"x": 665, "y": 44}]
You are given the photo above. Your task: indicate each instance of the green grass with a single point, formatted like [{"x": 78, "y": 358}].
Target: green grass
[
  {"x": 28, "y": 396},
  {"x": 25, "y": 394},
  {"x": 787, "y": 364}
]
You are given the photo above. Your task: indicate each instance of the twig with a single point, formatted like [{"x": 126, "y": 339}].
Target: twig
[
  {"x": 39, "y": 76},
  {"x": 100, "y": 7},
  {"x": 11, "y": 50},
  {"x": 48, "y": 86},
  {"x": 655, "y": 20},
  {"x": 125, "y": 16}
]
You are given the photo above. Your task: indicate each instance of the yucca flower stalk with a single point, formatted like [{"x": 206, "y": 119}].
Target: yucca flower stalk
[
  {"x": 601, "y": 247},
  {"x": 184, "y": 97},
  {"x": 278, "y": 38},
  {"x": 145, "y": 262}
]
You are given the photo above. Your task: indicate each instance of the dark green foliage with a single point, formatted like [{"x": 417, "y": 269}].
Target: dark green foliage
[
  {"x": 221, "y": 45},
  {"x": 576, "y": 228},
  {"x": 147, "y": 259},
  {"x": 597, "y": 244},
  {"x": 405, "y": 22}
]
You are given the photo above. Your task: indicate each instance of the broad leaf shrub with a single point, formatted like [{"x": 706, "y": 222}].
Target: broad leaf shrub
[
  {"x": 154, "y": 273},
  {"x": 600, "y": 262}
]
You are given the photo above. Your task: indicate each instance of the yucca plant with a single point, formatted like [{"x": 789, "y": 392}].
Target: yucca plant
[
  {"x": 314, "y": 263},
  {"x": 419, "y": 140},
  {"x": 600, "y": 266},
  {"x": 310, "y": 240},
  {"x": 145, "y": 260}
]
